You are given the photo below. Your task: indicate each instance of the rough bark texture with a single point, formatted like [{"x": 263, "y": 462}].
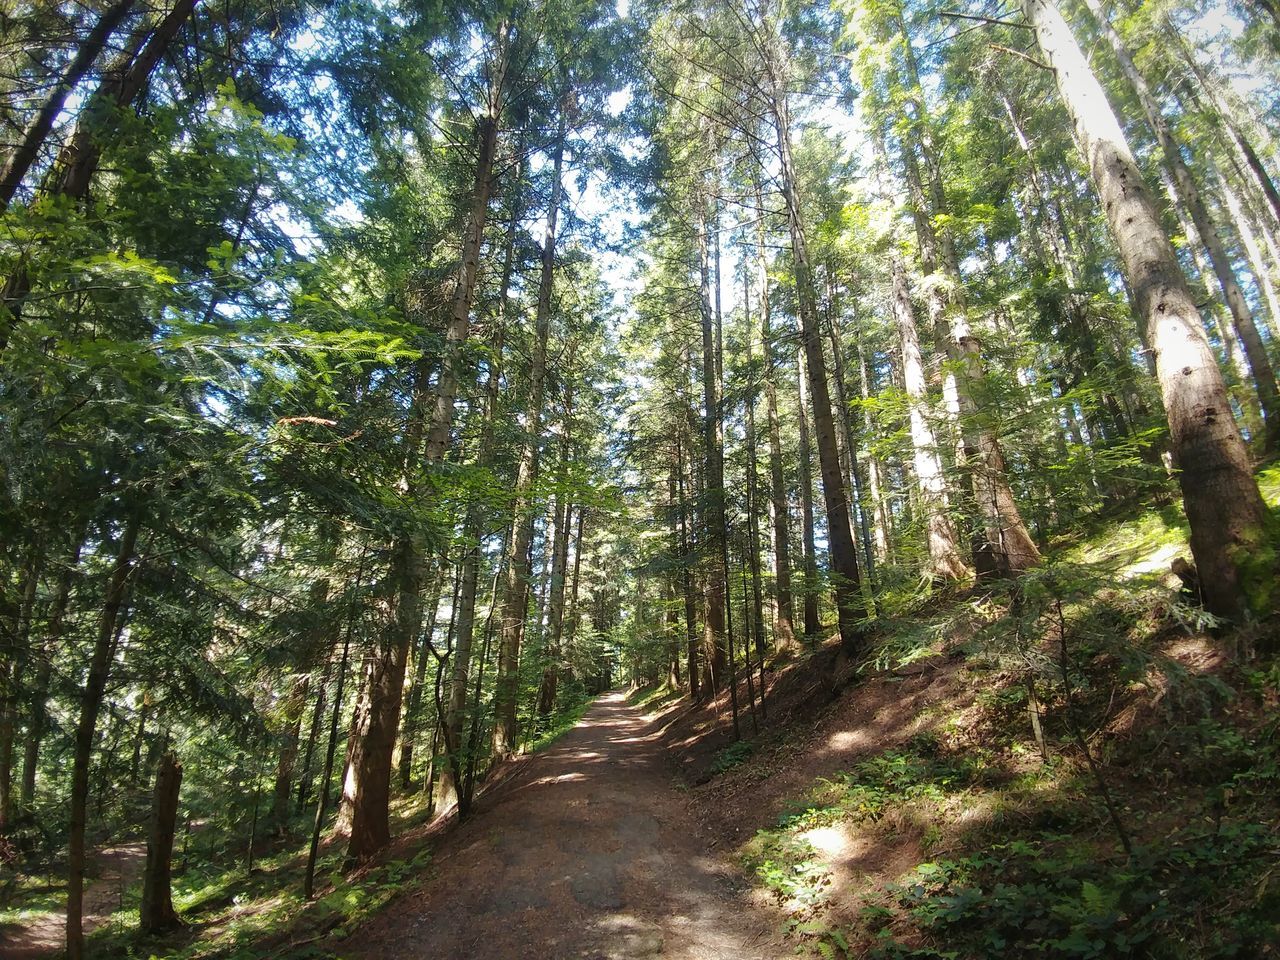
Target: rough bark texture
[
  {"x": 945, "y": 560},
  {"x": 366, "y": 791},
  {"x": 1188, "y": 192},
  {"x": 156, "y": 913},
  {"x": 1224, "y": 507}
]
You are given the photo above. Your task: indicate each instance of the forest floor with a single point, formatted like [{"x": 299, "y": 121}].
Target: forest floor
[
  {"x": 588, "y": 851},
  {"x": 43, "y": 934},
  {"x": 904, "y": 808}
]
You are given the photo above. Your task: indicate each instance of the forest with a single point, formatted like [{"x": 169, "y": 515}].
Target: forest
[{"x": 619, "y": 478}]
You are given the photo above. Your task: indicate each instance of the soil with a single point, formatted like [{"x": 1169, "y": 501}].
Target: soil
[
  {"x": 589, "y": 851},
  {"x": 46, "y": 935},
  {"x": 818, "y": 723}
]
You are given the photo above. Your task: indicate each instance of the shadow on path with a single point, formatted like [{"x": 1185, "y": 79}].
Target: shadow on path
[{"x": 588, "y": 852}]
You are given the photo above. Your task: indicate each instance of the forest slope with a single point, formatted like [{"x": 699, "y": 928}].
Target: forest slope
[{"x": 919, "y": 810}]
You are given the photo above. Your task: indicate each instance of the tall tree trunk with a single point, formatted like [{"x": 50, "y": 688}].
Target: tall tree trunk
[
  {"x": 1258, "y": 264},
  {"x": 322, "y": 800},
  {"x": 1188, "y": 193},
  {"x": 1224, "y": 508},
  {"x": 95, "y": 687},
  {"x": 713, "y": 455},
  {"x": 880, "y": 529},
  {"x": 559, "y": 566},
  {"x": 314, "y": 730},
  {"x": 945, "y": 560},
  {"x": 686, "y": 572},
  {"x": 12, "y": 678},
  {"x": 1217, "y": 323},
  {"x": 812, "y": 623},
  {"x": 1002, "y": 546},
  {"x": 1224, "y": 113},
  {"x": 422, "y": 657},
  {"x": 79, "y": 160},
  {"x": 849, "y": 438},
  {"x": 367, "y": 788},
  {"x": 755, "y": 619},
  {"x": 514, "y": 597},
  {"x": 844, "y": 557},
  {"x": 460, "y": 663},
  {"x": 155, "y": 912},
  {"x": 784, "y": 633},
  {"x": 295, "y": 704}
]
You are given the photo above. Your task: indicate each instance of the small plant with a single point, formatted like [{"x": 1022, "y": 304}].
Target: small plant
[{"x": 731, "y": 756}]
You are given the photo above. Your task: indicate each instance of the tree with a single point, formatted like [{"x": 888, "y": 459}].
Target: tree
[{"x": 1224, "y": 507}]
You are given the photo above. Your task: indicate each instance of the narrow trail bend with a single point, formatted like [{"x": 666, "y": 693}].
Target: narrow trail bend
[{"x": 588, "y": 852}]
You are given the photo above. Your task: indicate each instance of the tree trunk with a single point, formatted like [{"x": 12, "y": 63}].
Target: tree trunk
[
  {"x": 514, "y": 597},
  {"x": 95, "y": 686},
  {"x": 413, "y": 712},
  {"x": 80, "y": 158},
  {"x": 1258, "y": 264},
  {"x": 755, "y": 618},
  {"x": 1225, "y": 113},
  {"x": 367, "y": 788},
  {"x": 1188, "y": 192},
  {"x": 322, "y": 799},
  {"x": 686, "y": 572},
  {"x": 846, "y": 434},
  {"x": 24, "y": 154},
  {"x": 812, "y": 623},
  {"x": 460, "y": 664},
  {"x": 295, "y": 705},
  {"x": 559, "y": 567},
  {"x": 945, "y": 560},
  {"x": 784, "y": 633},
  {"x": 843, "y": 555},
  {"x": 314, "y": 730},
  {"x": 1003, "y": 547},
  {"x": 155, "y": 912},
  {"x": 12, "y": 679},
  {"x": 713, "y": 455},
  {"x": 1224, "y": 508},
  {"x": 880, "y": 529}
]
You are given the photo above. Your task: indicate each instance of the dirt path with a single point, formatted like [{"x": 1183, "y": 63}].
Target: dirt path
[
  {"x": 589, "y": 853},
  {"x": 46, "y": 935}
]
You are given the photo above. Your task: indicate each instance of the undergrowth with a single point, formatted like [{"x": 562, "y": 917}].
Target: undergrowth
[{"x": 1086, "y": 794}]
